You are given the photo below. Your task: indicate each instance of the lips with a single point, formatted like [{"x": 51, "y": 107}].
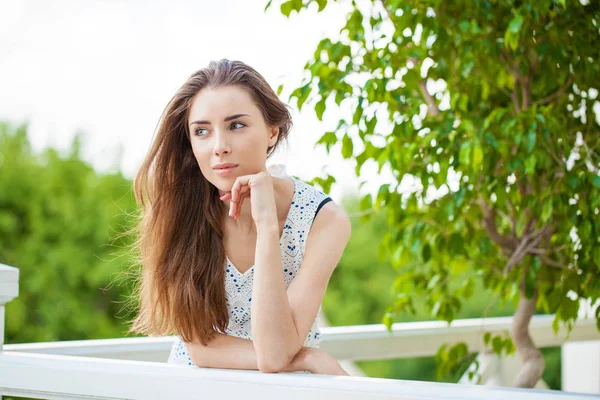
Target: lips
[
  {"x": 224, "y": 166},
  {"x": 222, "y": 171}
]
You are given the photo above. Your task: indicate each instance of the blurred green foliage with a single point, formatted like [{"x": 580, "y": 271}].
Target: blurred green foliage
[{"x": 62, "y": 225}]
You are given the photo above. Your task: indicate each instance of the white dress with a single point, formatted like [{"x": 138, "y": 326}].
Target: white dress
[{"x": 306, "y": 202}]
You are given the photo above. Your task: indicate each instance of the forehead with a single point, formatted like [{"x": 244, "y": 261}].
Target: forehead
[{"x": 214, "y": 103}]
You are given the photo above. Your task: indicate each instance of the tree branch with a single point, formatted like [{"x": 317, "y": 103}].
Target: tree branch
[
  {"x": 515, "y": 99},
  {"x": 513, "y": 220},
  {"x": 550, "y": 262},
  {"x": 489, "y": 221},
  {"x": 431, "y": 103},
  {"x": 559, "y": 93},
  {"x": 528, "y": 242},
  {"x": 504, "y": 57},
  {"x": 525, "y": 92}
]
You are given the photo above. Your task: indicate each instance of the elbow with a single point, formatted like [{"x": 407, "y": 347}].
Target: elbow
[
  {"x": 194, "y": 356},
  {"x": 271, "y": 364}
]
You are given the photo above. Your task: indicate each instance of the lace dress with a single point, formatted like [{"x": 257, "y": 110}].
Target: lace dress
[{"x": 306, "y": 202}]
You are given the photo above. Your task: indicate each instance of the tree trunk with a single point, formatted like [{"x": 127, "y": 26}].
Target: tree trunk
[{"x": 532, "y": 359}]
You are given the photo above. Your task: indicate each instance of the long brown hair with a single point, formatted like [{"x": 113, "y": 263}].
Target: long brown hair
[{"x": 180, "y": 288}]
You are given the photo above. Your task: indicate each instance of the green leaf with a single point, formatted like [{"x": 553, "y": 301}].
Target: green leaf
[
  {"x": 456, "y": 244},
  {"x": 320, "y": 109},
  {"x": 357, "y": 114},
  {"x": 459, "y": 265},
  {"x": 465, "y": 154},
  {"x": 530, "y": 164},
  {"x": 531, "y": 138},
  {"x": 511, "y": 40},
  {"x": 279, "y": 90},
  {"x": 304, "y": 93},
  {"x": 328, "y": 139},
  {"x": 382, "y": 196},
  {"x": 401, "y": 256},
  {"x": 555, "y": 326},
  {"x": 322, "y": 4},
  {"x": 286, "y": 8},
  {"x": 509, "y": 346},
  {"x": 434, "y": 281},
  {"x": 388, "y": 320},
  {"x": 366, "y": 203},
  {"x": 477, "y": 156},
  {"x": 596, "y": 181},
  {"x": 426, "y": 252},
  {"x": 468, "y": 288},
  {"x": 497, "y": 344},
  {"x": 436, "y": 309},
  {"x": 339, "y": 96},
  {"x": 547, "y": 210},
  {"x": 268, "y": 5},
  {"x": 530, "y": 283},
  {"x": 347, "y": 146},
  {"x": 486, "y": 338},
  {"x": 515, "y": 24}
]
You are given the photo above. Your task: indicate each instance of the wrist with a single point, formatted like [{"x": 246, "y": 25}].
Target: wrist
[{"x": 267, "y": 225}]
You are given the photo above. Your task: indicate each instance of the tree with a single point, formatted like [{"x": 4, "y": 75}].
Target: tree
[
  {"x": 62, "y": 224},
  {"x": 489, "y": 107}
]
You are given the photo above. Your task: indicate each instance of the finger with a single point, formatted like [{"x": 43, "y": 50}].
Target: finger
[
  {"x": 234, "y": 208},
  {"x": 240, "y": 182},
  {"x": 225, "y": 196},
  {"x": 239, "y": 204},
  {"x": 238, "y": 207}
]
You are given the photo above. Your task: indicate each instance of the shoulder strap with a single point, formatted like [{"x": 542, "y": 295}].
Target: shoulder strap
[{"x": 308, "y": 202}]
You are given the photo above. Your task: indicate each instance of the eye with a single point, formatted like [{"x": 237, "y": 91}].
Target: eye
[
  {"x": 197, "y": 131},
  {"x": 238, "y": 123}
]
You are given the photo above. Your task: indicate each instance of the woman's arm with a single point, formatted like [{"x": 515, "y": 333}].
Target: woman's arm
[
  {"x": 230, "y": 352},
  {"x": 272, "y": 324},
  {"x": 281, "y": 318}
]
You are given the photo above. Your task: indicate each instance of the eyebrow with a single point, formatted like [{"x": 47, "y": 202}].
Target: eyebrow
[{"x": 225, "y": 120}]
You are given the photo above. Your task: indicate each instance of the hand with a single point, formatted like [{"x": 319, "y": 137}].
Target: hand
[
  {"x": 318, "y": 361},
  {"x": 259, "y": 187}
]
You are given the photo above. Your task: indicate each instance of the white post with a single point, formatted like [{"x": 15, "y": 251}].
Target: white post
[
  {"x": 581, "y": 367},
  {"x": 9, "y": 289},
  {"x": 580, "y": 364}
]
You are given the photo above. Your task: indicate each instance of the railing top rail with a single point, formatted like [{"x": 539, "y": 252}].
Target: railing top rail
[
  {"x": 361, "y": 342},
  {"x": 55, "y": 376}
]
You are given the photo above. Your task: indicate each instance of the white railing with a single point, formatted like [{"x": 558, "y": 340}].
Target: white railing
[{"x": 136, "y": 368}]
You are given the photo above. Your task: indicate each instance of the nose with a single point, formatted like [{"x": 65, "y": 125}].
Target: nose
[{"x": 221, "y": 144}]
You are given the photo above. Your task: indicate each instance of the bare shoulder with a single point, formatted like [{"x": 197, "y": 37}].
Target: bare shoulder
[{"x": 332, "y": 219}]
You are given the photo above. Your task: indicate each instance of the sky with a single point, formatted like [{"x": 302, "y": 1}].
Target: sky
[{"x": 108, "y": 68}]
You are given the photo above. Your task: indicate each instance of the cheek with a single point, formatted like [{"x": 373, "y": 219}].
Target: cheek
[{"x": 202, "y": 156}]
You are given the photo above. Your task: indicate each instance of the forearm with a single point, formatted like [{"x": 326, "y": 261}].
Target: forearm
[
  {"x": 230, "y": 352},
  {"x": 273, "y": 328}
]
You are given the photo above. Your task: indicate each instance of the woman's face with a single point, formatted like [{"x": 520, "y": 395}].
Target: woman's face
[{"x": 227, "y": 127}]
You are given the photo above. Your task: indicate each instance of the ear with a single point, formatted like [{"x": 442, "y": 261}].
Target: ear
[{"x": 273, "y": 135}]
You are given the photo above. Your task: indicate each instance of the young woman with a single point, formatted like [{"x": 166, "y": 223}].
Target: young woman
[{"x": 236, "y": 259}]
